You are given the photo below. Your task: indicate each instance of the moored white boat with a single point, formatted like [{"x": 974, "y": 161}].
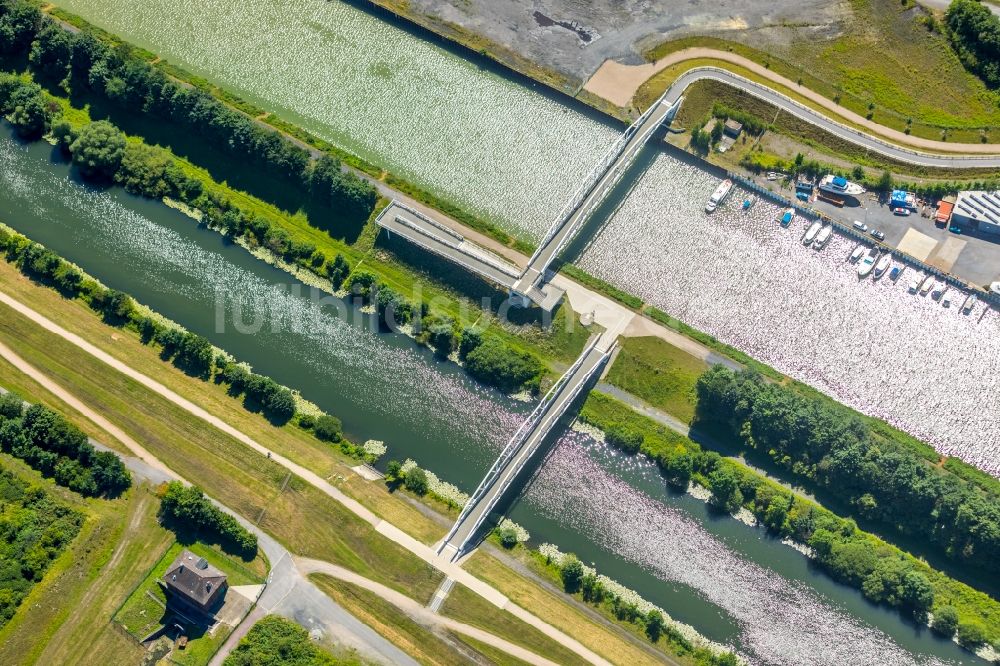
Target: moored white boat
[
  {"x": 812, "y": 232},
  {"x": 926, "y": 285},
  {"x": 866, "y": 265},
  {"x": 970, "y": 302},
  {"x": 858, "y": 252},
  {"x": 719, "y": 195},
  {"x": 823, "y": 237},
  {"x": 914, "y": 285},
  {"x": 882, "y": 266}
]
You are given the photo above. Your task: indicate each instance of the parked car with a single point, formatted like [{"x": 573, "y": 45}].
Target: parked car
[
  {"x": 878, "y": 233},
  {"x": 861, "y": 226}
]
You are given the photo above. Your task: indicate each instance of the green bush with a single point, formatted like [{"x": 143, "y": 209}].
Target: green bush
[
  {"x": 416, "y": 481},
  {"x": 971, "y": 634},
  {"x": 499, "y": 364},
  {"x": 571, "y": 572},
  {"x": 275, "y": 641},
  {"x": 624, "y": 438},
  {"x": 328, "y": 428},
  {"x": 945, "y": 621}
]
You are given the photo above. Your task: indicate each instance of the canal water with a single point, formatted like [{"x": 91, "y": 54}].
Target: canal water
[
  {"x": 733, "y": 583},
  {"x": 505, "y": 148}
]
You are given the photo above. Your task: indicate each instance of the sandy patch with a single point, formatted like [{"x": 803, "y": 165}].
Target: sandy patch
[
  {"x": 946, "y": 254},
  {"x": 917, "y": 244}
]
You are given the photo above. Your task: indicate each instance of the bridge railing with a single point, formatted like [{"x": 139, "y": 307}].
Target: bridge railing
[
  {"x": 514, "y": 443},
  {"x": 619, "y": 170},
  {"x": 593, "y": 177},
  {"x": 509, "y": 479}
]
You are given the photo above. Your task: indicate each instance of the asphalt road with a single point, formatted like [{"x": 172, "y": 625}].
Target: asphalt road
[{"x": 807, "y": 114}]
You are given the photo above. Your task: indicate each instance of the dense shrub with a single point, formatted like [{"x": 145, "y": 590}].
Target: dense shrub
[
  {"x": 98, "y": 150},
  {"x": 328, "y": 428},
  {"x": 60, "y": 451},
  {"x": 275, "y": 641},
  {"x": 471, "y": 338},
  {"x": 416, "y": 481},
  {"x": 975, "y": 35},
  {"x": 624, "y": 438},
  {"x": 945, "y": 621},
  {"x": 499, "y": 364},
  {"x": 35, "y": 531},
  {"x": 187, "y": 510},
  {"x": 571, "y": 572},
  {"x": 885, "y": 480}
]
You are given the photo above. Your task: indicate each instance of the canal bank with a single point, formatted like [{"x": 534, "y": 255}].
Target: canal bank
[
  {"x": 484, "y": 101},
  {"x": 170, "y": 260}
]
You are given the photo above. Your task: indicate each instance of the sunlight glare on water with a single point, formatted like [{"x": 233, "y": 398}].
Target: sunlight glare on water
[
  {"x": 739, "y": 276},
  {"x": 781, "y": 622}
]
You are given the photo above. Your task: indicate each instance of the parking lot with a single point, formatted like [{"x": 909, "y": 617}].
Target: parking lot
[{"x": 978, "y": 255}]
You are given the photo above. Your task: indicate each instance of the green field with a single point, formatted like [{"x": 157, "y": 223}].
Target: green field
[
  {"x": 658, "y": 372},
  {"x": 466, "y": 606}
]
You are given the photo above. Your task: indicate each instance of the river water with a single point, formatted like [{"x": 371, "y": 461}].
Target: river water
[
  {"x": 506, "y": 149},
  {"x": 733, "y": 583}
]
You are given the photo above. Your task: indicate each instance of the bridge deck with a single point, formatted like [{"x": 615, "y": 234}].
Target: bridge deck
[
  {"x": 434, "y": 237},
  {"x": 620, "y": 158},
  {"x": 523, "y": 446}
]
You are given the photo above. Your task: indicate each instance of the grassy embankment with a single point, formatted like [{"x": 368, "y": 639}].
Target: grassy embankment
[
  {"x": 300, "y": 517},
  {"x": 796, "y": 135},
  {"x": 67, "y": 616},
  {"x": 885, "y": 56},
  {"x": 698, "y": 104},
  {"x": 564, "y": 613},
  {"x": 438, "y": 646},
  {"x": 674, "y": 386}
]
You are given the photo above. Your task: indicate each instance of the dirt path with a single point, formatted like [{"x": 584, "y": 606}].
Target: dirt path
[
  {"x": 619, "y": 83},
  {"x": 383, "y": 527},
  {"x": 417, "y": 612}
]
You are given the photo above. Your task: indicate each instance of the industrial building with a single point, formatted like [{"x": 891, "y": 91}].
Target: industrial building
[{"x": 979, "y": 209}]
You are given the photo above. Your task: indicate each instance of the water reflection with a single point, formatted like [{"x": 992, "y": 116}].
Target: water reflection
[{"x": 739, "y": 276}]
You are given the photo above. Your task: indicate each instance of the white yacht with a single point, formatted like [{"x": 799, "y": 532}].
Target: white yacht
[
  {"x": 823, "y": 237},
  {"x": 969, "y": 303},
  {"x": 858, "y": 252},
  {"x": 812, "y": 232},
  {"x": 866, "y": 265},
  {"x": 720, "y": 194},
  {"x": 882, "y": 266},
  {"x": 840, "y": 185}
]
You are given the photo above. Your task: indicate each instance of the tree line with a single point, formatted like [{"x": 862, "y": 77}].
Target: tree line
[
  {"x": 974, "y": 33},
  {"x": 59, "y": 450},
  {"x": 883, "y": 573},
  {"x": 186, "y": 510},
  {"x": 118, "y": 73},
  {"x": 487, "y": 357},
  {"x": 190, "y": 352},
  {"x": 882, "y": 479},
  {"x": 36, "y": 529}
]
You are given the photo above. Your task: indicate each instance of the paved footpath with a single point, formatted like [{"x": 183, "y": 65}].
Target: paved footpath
[{"x": 383, "y": 527}]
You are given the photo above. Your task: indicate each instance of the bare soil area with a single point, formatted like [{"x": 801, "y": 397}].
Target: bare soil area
[{"x": 573, "y": 37}]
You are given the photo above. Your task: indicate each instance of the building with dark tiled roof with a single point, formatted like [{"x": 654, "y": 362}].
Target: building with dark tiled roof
[{"x": 193, "y": 581}]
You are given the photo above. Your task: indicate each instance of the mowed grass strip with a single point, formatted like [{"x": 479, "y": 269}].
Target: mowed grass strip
[
  {"x": 303, "y": 518},
  {"x": 466, "y": 606},
  {"x": 609, "y": 642},
  {"x": 658, "y": 372},
  {"x": 289, "y": 440},
  {"x": 424, "y": 645}
]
